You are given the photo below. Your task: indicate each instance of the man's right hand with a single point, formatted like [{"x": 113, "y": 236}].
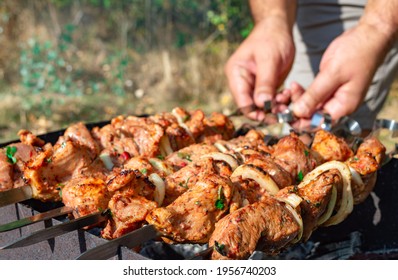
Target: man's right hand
[{"x": 261, "y": 63}]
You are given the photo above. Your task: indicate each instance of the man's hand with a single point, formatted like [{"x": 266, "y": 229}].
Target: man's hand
[
  {"x": 261, "y": 63},
  {"x": 346, "y": 71}
]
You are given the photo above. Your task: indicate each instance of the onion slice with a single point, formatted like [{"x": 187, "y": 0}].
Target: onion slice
[
  {"x": 221, "y": 147},
  {"x": 165, "y": 146},
  {"x": 107, "y": 161},
  {"x": 292, "y": 199},
  {"x": 263, "y": 179},
  {"x": 298, "y": 219},
  {"x": 160, "y": 188},
  {"x": 329, "y": 210},
  {"x": 223, "y": 157},
  {"x": 347, "y": 200},
  {"x": 181, "y": 122},
  {"x": 161, "y": 166},
  {"x": 356, "y": 178}
]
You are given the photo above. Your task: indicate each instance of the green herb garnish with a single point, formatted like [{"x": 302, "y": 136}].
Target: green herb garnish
[
  {"x": 49, "y": 160},
  {"x": 144, "y": 171},
  {"x": 220, "y": 248},
  {"x": 317, "y": 204},
  {"x": 10, "y": 152},
  {"x": 220, "y": 199},
  {"x": 185, "y": 118},
  {"x": 306, "y": 153},
  {"x": 184, "y": 156},
  {"x": 300, "y": 176},
  {"x": 59, "y": 192},
  {"x": 161, "y": 157},
  {"x": 184, "y": 184}
]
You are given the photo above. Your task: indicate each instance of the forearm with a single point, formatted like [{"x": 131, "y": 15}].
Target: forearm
[
  {"x": 284, "y": 9},
  {"x": 382, "y": 17}
]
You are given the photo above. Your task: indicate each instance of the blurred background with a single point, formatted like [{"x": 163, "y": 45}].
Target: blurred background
[{"x": 63, "y": 61}]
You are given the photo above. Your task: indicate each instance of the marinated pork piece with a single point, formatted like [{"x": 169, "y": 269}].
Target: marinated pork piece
[
  {"x": 131, "y": 180},
  {"x": 54, "y": 167},
  {"x": 13, "y": 159},
  {"x": 365, "y": 163},
  {"x": 191, "y": 153},
  {"x": 191, "y": 217},
  {"x": 145, "y": 134},
  {"x": 280, "y": 176},
  {"x": 253, "y": 140},
  {"x": 294, "y": 156},
  {"x": 217, "y": 126},
  {"x": 187, "y": 177},
  {"x": 79, "y": 134},
  {"x": 6, "y": 172},
  {"x": 128, "y": 213},
  {"x": 28, "y": 138},
  {"x": 86, "y": 195},
  {"x": 330, "y": 147},
  {"x": 265, "y": 225},
  {"x": 316, "y": 196}
]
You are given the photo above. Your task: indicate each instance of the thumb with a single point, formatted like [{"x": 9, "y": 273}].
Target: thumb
[{"x": 321, "y": 89}]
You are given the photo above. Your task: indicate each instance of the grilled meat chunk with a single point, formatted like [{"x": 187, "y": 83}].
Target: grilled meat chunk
[
  {"x": 192, "y": 153},
  {"x": 330, "y": 147},
  {"x": 28, "y": 138},
  {"x": 52, "y": 168},
  {"x": 128, "y": 213},
  {"x": 79, "y": 134},
  {"x": 253, "y": 140},
  {"x": 316, "y": 196},
  {"x": 6, "y": 172},
  {"x": 191, "y": 217},
  {"x": 368, "y": 159},
  {"x": 187, "y": 177},
  {"x": 266, "y": 225},
  {"x": 85, "y": 195},
  {"x": 132, "y": 181},
  {"x": 294, "y": 156}
]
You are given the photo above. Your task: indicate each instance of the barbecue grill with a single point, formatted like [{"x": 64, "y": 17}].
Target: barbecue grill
[{"x": 369, "y": 232}]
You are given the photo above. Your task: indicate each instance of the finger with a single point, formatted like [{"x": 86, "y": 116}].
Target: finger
[
  {"x": 266, "y": 80},
  {"x": 340, "y": 105},
  {"x": 241, "y": 84},
  {"x": 297, "y": 91},
  {"x": 283, "y": 96},
  {"x": 322, "y": 88}
]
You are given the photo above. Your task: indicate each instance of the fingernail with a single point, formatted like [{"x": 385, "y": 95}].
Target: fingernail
[
  {"x": 261, "y": 98},
  {"x": 299, "y": 109}
]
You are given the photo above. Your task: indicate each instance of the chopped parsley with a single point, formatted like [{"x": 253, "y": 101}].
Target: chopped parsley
[
  {"x": 220, "y": 204},
  {"x": 144, "y": 171},
  {"x": 300, "y": 176},
  {"x": 220, "y": 248},
  {"x": 184, "y": 184},
  {"x": 59, "y": 192},
  {"x": 184, "y": 156},
  {"x": 49, "y": 160},
  {"x": 10, "y": 152},
  {"x": 306, "y": 153},
  {"x": 185, "y": 118},
  {"x": 63, "y": 145},
  {"x": 355, "y": 159},
  {"x": 317, "y": 204},
  {"x": 161, "y": 157}
]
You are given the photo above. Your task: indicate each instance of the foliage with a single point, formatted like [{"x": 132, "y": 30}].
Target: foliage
[{"x": 54, "y": 51}]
